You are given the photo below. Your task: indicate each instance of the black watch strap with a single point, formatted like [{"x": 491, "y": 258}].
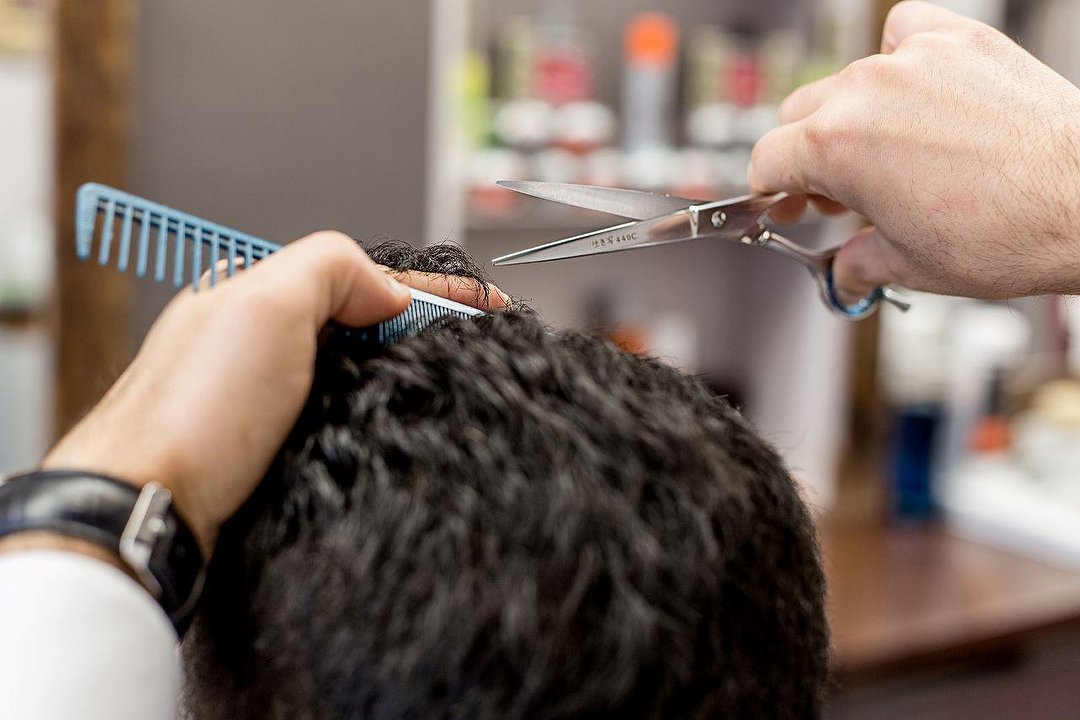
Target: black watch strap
[{"x": 140, "y": 525}]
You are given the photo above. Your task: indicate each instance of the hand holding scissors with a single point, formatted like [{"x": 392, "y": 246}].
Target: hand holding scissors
[{"x": 660, "y": 219}]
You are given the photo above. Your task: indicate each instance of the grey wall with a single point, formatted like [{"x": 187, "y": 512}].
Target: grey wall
[{"x": 280, "y": 117}]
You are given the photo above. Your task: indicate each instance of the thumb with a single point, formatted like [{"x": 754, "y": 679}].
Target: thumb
[
  {"x": 911, "y": 17},
  {"x": 327, "y": 276},
  {"x": 866, "y": 261}
]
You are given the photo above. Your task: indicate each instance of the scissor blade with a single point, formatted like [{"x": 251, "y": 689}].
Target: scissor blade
[
  {"x": 634, "y": 204},
  {"x": 675, "y": 227}
]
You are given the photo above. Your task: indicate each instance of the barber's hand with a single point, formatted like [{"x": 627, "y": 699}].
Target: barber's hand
[
  {"x": 960, "y": 147},
  {"x": 224, "y": 372}
]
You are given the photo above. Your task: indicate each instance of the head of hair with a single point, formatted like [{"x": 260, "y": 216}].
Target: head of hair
[{"x": 491, "y": 519}]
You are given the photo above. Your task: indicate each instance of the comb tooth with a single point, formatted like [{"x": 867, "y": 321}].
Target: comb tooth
[
  {"x": 125, "y": 238},
  {"x": 419, "y": 315},
  {"x": 178, "y": 258},
  {"x": 214, "y": 254},
  {"x": 162, "y": 248},
  {"x": 94, "y": 201},
  {"x": 388, "y": 334},
  {"x": 196, "y": 256},
  {"x": 87, "y": 211},
  {"x": 107, "y": 232},
  {"x": 230, "y": 268},
  {"x": 144, "y": 245}
]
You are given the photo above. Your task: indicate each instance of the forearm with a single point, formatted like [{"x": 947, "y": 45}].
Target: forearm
[{"x": 1067, "y": 193}]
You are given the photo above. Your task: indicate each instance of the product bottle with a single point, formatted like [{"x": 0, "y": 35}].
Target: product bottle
[{"x": 652, "y": 48}]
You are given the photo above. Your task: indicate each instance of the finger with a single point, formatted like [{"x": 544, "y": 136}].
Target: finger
[
  {"x": 222, "y": 268},
  {"x": 788, "y": 210},
  {"x": 792, "y": 208},
  {"x": 327, "y": 276},
  {"x": 866, "y": 261},
  {"x": 805, "y": 100},
  {"x": 827, "y": 206},
  {"x": 911, "y": 17},
  {"x": 459, "y": 289},
  {"x": 779, "y": 162}
]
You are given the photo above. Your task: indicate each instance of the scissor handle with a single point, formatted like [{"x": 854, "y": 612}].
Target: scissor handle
[
  {"x": 820, "y": 265},
  {"x": 862, "y": 309}
]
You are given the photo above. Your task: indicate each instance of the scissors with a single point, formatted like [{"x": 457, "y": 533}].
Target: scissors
[{"x": 660, "y": 219}]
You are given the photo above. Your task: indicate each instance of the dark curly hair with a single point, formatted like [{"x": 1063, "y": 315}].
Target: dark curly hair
[{"x": 494, "y": 520}]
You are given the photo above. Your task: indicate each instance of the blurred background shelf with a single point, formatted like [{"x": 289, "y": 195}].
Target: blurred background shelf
[
  {"x": 933, "y": 626},
  {"x": 919, "y": 596}
]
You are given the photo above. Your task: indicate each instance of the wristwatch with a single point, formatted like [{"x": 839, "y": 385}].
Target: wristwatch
[{"x": 138, "y": 524}]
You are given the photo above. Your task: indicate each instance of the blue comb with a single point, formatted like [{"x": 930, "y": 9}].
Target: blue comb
[{"x": 162, "y": 234}]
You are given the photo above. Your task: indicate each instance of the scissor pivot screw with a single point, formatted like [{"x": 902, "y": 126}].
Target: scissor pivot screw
[{"x": 718, "y": 219}]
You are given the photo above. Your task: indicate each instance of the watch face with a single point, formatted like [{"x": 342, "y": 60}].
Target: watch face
[{"x": 146, "y": 544}]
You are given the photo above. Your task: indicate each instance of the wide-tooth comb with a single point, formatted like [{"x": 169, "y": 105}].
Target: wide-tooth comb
[{"x": 170, "y": 234}]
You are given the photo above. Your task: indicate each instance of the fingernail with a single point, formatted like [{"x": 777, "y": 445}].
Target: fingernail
[
  {"x": 504, "y": 299},
  {"x": 395, "y": 287}
]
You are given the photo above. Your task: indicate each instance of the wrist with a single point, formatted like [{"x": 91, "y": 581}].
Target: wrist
[{"x": 132, "y": 470}]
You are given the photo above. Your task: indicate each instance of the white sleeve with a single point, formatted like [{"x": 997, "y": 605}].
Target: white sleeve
[{"x": 80, "y": 639}]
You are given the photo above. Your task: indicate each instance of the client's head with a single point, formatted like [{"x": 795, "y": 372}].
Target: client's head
[{"x": 493, "y": 520}]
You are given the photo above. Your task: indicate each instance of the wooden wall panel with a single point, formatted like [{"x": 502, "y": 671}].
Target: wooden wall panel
[
  {"x": 94, "y": 67},
  {"x": 862, "y": 494}
]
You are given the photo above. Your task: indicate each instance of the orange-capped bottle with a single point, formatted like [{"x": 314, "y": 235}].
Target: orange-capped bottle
[{"x": 649, "y": 82}]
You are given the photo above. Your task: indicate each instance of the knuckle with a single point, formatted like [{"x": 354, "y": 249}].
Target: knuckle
[
  {"x": 335, "y": 248},
  {"x": 906, "y": 7},
  {"x": 927, "y": 43},
  {"x": 757, "y": 155},
  {"x": 822, "y": 134},
  {"x": 789, "y": 108},
  {"x": 333, "y": 241},
  {"x": 829, "y": 137},
  {"x": 872, "y": 70}
]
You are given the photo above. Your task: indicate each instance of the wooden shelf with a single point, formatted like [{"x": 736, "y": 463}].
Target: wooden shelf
[{"x": 912, "y": 597}]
